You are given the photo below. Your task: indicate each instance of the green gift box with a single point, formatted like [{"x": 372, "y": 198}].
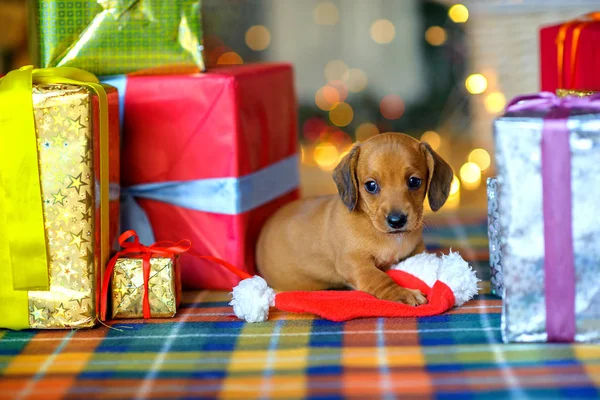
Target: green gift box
[{"x": 108, "y": 37}]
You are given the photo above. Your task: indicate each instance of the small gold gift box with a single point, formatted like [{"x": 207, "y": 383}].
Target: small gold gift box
[{"x": 164, "y": 287}]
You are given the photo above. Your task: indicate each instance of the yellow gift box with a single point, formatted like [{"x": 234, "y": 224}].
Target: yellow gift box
[{"x": 59, "y": 149}]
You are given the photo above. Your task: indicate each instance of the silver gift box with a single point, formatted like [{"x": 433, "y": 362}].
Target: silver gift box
[
  {"x": 497, "y": 279},
  {"x": 521, "y": 224}
]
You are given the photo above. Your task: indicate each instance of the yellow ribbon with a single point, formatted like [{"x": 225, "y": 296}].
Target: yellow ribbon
[{"x": 23, "y": 250}]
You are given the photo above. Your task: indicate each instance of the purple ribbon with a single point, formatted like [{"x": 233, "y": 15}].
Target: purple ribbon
[{"x": 559, "y": 264}]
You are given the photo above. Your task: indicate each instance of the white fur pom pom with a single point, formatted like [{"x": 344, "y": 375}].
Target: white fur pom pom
[
  {"x": 251, "y": 299},
  {"x": 459, "y": 276},
  {"x": 423, "y": 266},
  {"x": 450, "y": 269}
]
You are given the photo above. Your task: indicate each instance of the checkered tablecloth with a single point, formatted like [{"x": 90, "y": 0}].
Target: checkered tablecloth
[{"x": 205, "y": 352}]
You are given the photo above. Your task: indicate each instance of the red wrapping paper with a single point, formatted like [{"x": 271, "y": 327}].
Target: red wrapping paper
[
  {"x": 228, "y": 122},
  {"x": 580, "y": 55}
]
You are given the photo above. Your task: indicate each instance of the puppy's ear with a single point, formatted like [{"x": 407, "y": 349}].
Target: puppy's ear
[
  {"x": 440, "y": 177},
  {"x": 344, "y": 176}
]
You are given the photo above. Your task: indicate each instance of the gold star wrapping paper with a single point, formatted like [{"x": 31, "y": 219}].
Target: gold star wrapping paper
[
  {"x": 68, "y": 153},
  {"x": 128, "y": 288}
]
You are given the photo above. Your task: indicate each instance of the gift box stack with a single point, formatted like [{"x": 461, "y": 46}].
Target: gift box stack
[
  {"x": 543, "y": 226},
  {"x": 123, "y": 118}
]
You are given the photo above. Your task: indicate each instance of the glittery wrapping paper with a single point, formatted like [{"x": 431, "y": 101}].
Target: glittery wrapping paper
[
  {"x": 109, "y": 37},
  {"x": 497, "y": 279},
  {"x": 66, "y": 127},
  {"x": 573, "y": 92},
  {"x": 521, "y": 223},
  {"x": 128, "y": 288}
]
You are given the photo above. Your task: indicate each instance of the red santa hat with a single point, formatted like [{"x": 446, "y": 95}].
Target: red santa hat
[{"x": 446, "y": 281}]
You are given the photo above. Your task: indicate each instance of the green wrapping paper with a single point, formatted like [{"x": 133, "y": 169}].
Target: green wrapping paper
[{"x": 109, "y": 37}]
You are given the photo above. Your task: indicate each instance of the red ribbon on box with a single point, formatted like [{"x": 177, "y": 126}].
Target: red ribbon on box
[{"x": 135, "y": 249}]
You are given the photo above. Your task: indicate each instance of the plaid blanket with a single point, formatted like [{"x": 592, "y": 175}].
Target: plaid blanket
[{"x": 205, "y": 352}]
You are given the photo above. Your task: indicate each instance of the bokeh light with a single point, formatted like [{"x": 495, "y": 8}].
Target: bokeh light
[
  {"x": 335, "y": 70},
  {"x": 470, "y": 175},
  {"x": 383, "y": 31},
  {"x": 356, "y": 80},
  {"x": 326, "y": 155},
  {"x": 339, "y": 138},
  {"x": 326, "y": 97},
  {"x": 258, "y": 37},
  {"x": 432, "y": 138},
  {"x": 331, "y": 95},
  {"x": 494, "y": 102},
  {"x": 476, "y": 83},
  {"x": 341, "y": 89},
  {"x": 491, "y": 76},
  {"x": 365, "y": 131},
  {"x": 454, "y": 186},
  {"x": 341, "y": 114},
  {"x": 453, "y": 202},
  {"x": 458, "y": 13},
  {"x": 312, "y": 128},
  {"x": 326, "y": 13},
  {"x": 481, "y": 158},
  {"x": 216, "y": 52},
  {"x": 392, "y": 106},
  {"x": 435, "y": 35},
  {"x": 230, "y": 58}
]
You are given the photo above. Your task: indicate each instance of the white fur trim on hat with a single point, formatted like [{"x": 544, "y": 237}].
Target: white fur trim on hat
[
  {"x": 450, "y": 269},
  {"x": 251, "y": 299}
]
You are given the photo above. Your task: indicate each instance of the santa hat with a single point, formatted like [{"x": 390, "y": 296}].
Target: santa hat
[{"x": 446, "y": 281}]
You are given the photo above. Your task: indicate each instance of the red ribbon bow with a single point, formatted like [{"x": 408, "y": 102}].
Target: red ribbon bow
[{"x": 135, "y": 249}]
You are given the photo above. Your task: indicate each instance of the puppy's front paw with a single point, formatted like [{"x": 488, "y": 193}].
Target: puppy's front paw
[{"x": 412, "y": 297}]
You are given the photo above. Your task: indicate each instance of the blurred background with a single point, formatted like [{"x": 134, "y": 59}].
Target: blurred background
[{"x": 436, "y": 70}]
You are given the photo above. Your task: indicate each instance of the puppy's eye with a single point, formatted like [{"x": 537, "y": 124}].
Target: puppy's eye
[
  {"x": 414, "y": 183},
  {"x": 371, "y": 187}
]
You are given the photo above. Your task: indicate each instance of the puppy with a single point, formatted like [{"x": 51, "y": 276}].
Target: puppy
[{"x": 350, "y": 240}]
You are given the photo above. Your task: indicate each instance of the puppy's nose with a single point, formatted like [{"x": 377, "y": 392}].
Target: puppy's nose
[{"x": 396, "y": 220}]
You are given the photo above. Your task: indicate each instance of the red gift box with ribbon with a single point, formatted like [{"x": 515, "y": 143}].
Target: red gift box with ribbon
[
  {"x": 570, "y": 56},
  {"x": 208, "y": 157}
]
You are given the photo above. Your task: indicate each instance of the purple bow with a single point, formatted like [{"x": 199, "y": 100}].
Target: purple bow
[
  {"x": 559, "y": 264},
  {"x": 546, "y": 101}
]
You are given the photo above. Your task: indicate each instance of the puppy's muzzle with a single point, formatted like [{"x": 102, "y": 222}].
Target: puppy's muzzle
[{"x": 396, "y": 220}]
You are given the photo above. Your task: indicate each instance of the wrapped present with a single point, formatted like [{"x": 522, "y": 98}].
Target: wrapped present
[
  {"x": 547, "y": 152},
  {"x": 208, "y": 157},
  {"x": 144, "y": 281},
  {"x": 569, "y": 57},
  {"x": 116, "y": 37},
  {"x": 59, "y": 171},
  {"x": 497, "y": 279}
]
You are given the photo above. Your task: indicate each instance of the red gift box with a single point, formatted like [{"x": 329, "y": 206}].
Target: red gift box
[
  {"x": 570, "y": 55},
  {"x": 226, "y": 139}
]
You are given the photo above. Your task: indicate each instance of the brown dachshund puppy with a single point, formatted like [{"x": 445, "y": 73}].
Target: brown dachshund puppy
[{"x": 349, "y": 241}]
